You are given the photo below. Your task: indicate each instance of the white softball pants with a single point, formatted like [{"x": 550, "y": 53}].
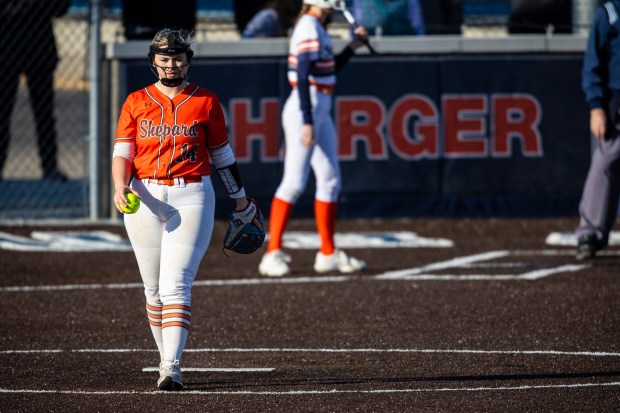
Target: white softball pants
[
  {"x": 170, "y": 234},
  {"x": 322, "y": 158}
]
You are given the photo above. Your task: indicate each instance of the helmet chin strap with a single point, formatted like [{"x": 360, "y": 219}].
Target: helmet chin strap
[
  {"x": 170, "y": 82},
  {"x": 175, "y": 81}
]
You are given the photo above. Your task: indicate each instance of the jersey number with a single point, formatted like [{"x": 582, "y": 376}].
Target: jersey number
[{"x": 187, "y": 153}]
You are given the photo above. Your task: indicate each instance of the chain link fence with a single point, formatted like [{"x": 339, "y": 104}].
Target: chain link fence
[
  {"x": 44, "y": 116},
  {"x": 44, "y": 111}
]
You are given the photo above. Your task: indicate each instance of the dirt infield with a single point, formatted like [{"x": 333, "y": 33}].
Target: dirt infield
[{"x": 500, "y": 321}]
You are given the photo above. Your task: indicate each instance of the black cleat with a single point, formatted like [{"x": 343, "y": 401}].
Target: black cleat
[
  {"x": 586, "y": 247},
  {"x": 169, "y": 384},
  {"x": 170, "y": 376}
]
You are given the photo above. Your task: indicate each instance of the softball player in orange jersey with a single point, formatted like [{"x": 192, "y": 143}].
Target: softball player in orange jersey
[
  {"x": 168, "y": 134},
  {"x": 311, "y": 141}
]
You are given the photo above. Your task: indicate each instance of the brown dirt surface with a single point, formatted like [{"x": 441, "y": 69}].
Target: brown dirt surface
[{"x": 527, "y": 328}]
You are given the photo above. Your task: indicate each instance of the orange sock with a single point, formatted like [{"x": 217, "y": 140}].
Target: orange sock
[
  {"x": 278, "y": 218},
  {"x": 325, "y": 214}
]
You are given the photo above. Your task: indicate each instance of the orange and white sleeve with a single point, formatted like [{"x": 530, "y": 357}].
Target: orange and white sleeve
[{"x": 126, "y": 131}]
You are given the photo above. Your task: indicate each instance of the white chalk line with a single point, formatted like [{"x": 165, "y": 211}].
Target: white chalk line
[
  {"x": 422, "y": 273},
  {"x": 331, "y": 350},
  {"x": 442, "y": 265},
  {"x": 314, "y": 392},
  {"x": 82, "y": 241},
  {"x": 569, "y": 239},
  {"x": 217, "y": 370},
  {"x": 311, "y": 391}
]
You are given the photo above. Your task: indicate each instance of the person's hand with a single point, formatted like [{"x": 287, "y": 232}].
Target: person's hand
[
  {"x": 360, "y": 37},
  {"x": 598, "y": 123},
  {"x": 307, "y": 135},
  {"x": 242, "y": 203},
  {"x": 119, "y": 196}
]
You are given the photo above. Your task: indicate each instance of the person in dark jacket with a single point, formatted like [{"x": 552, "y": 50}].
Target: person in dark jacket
[
  {"x": 29, "y": 48},
  {"x": 245, "y": 10},
  {"x": 276, "y": 19},
  {"x": 142, "y": 19},
  {"x": 601, "y": 84}
]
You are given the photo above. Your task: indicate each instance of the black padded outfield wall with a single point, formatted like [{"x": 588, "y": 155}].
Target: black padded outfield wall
[{"x": 458, "y": 135}]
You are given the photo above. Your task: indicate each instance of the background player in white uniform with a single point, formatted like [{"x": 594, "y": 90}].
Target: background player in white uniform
[
  {"x": 168, "y": 134},
  {"x": 311, "y": 141}
]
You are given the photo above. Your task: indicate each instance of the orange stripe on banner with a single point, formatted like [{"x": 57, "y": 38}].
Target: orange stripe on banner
[
  {"x": 178, "y": 315},
  {"x": 175, "y": 324}
]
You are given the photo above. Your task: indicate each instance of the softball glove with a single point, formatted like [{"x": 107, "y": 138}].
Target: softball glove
[{"x": 246, "y": 231}]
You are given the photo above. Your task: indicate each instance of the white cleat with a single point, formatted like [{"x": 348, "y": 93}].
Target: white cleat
[
  {"x": 275, "y": 264},
  {"x": 170, "y": 377},
  {"x": 338, "y": 261}
]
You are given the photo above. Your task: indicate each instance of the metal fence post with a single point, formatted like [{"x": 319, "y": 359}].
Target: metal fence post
[
  {"x": 583, "y": 14},
  {"x": 94, "y": 76}
]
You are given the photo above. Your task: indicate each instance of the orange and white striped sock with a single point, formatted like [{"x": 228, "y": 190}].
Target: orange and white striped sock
[
  {"x": 175, "y": 327},
  {"x": 153, "y": 314},
  {"x": 278, "y": 218},
  {"x": 325, "y": 215}
]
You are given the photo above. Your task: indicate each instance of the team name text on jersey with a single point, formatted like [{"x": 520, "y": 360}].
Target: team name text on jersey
[{"x": 148, "y": 130}]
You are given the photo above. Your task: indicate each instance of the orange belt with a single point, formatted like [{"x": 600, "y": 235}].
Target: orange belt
[
  {"x": 174, "y": 181},
  {"x": 325, "y": 89}
]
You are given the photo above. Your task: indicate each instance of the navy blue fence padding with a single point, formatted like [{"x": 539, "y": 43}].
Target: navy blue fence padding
[
  {"x": 446, "y": 135},
  {"x": 486, "y": 7}
]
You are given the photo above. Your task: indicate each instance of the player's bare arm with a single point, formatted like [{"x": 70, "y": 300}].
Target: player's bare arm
[
  {"x": 242, "y": 203},
  {"x": 598, "y": 123},
  {"x": 307, "y": 135},
  {"x": 121, "y": 173}
]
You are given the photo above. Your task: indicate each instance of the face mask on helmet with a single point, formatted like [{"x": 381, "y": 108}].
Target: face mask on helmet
[
  {"x": 327, "y": 4},
  {"x": 170, "y": 51}
]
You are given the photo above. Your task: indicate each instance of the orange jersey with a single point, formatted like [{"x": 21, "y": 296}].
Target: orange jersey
[{"x": 172, "y": 136}]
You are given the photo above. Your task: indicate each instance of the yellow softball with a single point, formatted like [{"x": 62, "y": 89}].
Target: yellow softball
[{"x": 133, "y": 203}]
